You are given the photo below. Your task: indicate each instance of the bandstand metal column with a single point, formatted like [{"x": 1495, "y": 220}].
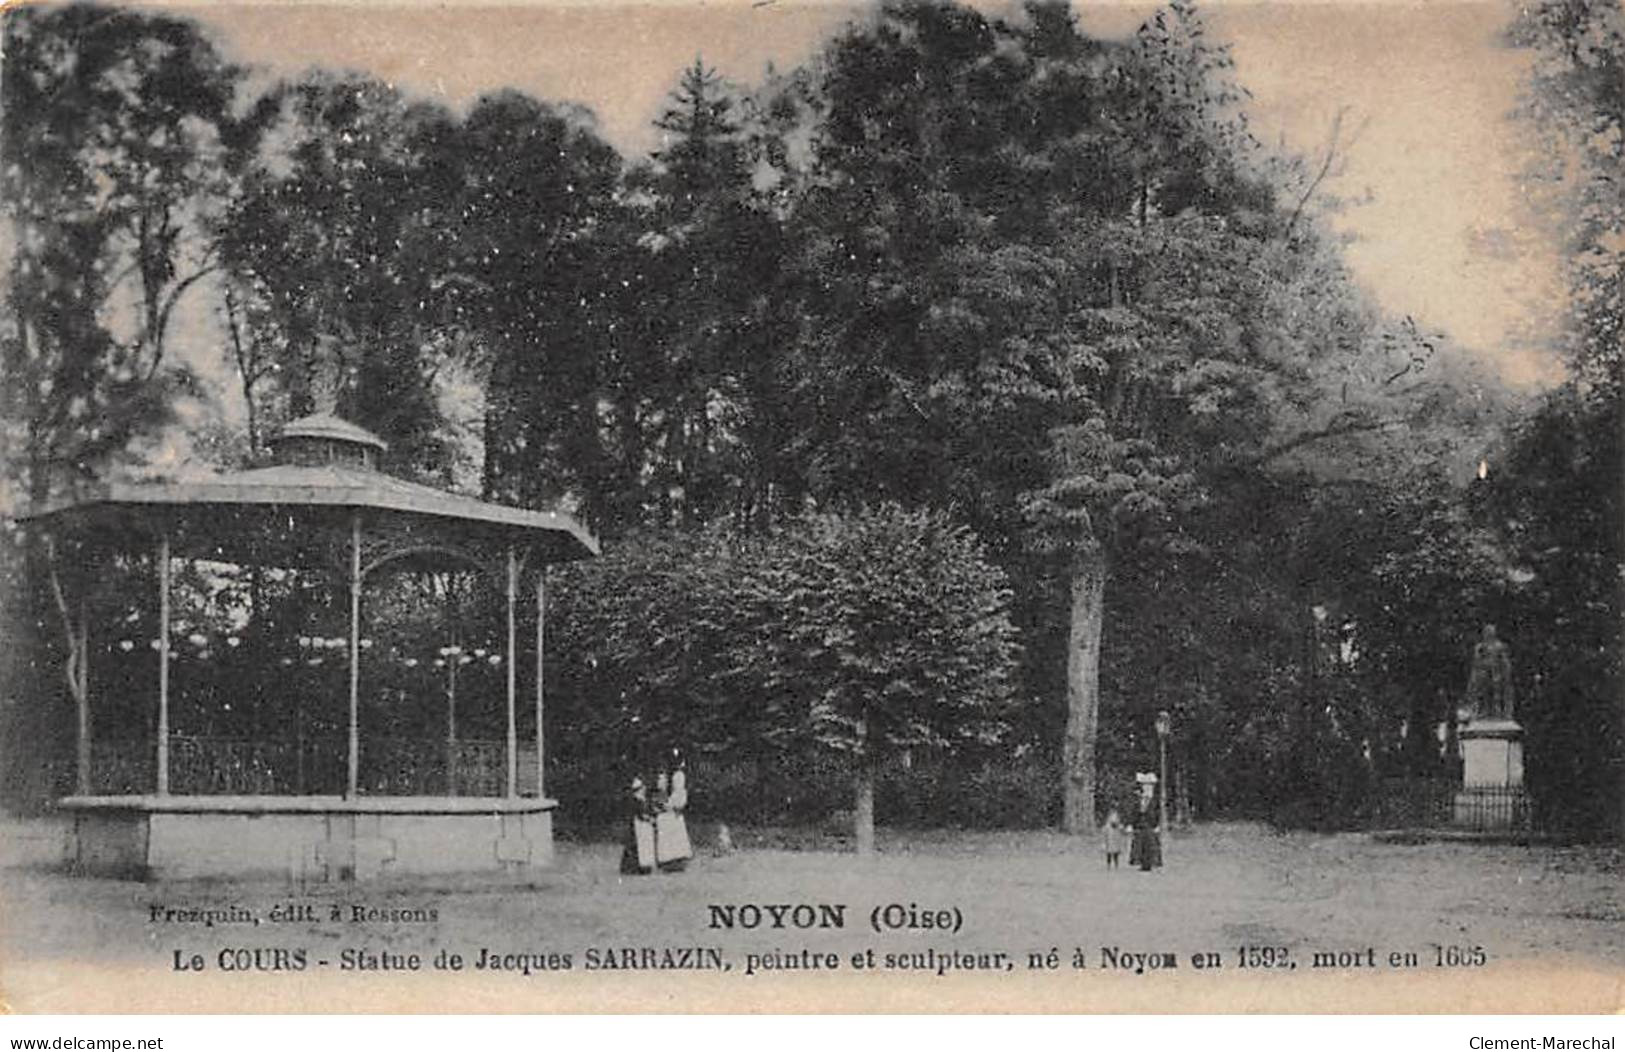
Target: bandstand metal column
[
  {"x": 354, "y": 755},
  {"x": 163, "y": 664}
]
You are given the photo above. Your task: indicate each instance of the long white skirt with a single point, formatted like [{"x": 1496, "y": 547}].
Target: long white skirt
[{"x": 671, "y": 838}]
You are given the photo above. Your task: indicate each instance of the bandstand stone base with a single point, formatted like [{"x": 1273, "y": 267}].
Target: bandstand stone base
[{"x": 308, "y": 839}]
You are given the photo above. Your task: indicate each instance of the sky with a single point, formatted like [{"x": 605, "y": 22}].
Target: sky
[{"x": 1432, "y": 173}]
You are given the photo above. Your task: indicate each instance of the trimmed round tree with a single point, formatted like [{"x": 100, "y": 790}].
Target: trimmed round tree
[{"x": 880, "y": 631}]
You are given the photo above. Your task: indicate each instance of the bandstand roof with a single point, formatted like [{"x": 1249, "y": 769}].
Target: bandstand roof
[
  {"x": 225, "y": 515},
  {"x": 327, "y": 426}
]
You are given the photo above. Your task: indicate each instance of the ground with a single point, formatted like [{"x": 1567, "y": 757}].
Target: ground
[{"x": 1490, "y": 927}]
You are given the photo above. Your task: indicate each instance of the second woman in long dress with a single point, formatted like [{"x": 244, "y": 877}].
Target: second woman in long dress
[
  {"x": 672, "y": 847},
  {"x": 1145, "y": 850}
]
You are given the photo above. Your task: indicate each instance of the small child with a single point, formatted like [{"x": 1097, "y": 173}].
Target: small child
[{"x": 1112, "y": 834}]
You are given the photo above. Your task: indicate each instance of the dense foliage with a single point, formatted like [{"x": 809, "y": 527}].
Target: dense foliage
[
  {"x": 837, "y": 640},
  {"x": 1557, "y": 502},
  {"x": 972, "y": 330}
]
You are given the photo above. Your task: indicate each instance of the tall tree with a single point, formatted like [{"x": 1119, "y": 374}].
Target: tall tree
[
  {"x": 1575, "y": 105},
  {"x": 336, "y": 234},
  {"x": 713, "y": 256},
  {"x": 1048, "y": 283},
  {"x": 116, "y": 126},
  {"x": 534, "y": 255},
  {"x": 1558, "y": 494}
]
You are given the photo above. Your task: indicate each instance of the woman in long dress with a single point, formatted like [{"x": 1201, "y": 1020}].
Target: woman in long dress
[
  {"x": 638, "y": 855},
  {"x": 1145, "y": 850},
  {"x": 672, "y": 847}
]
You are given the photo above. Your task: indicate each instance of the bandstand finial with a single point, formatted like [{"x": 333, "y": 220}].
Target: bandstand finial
[{"x": 322, "y": 438}]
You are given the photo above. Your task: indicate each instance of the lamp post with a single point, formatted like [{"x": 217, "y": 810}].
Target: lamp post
[
  {"x": 450, "y": 657},
  {"x": 1165, "y": 727}
]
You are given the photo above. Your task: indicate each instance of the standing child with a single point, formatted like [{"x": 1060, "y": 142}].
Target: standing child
[{"x": 1112, "y": 834}]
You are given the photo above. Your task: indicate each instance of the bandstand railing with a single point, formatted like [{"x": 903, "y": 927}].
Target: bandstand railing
[
  {"x": 122, "y": 768},
  {"x": 419, "y": 767},
  {"x": 212, "y": 766}
]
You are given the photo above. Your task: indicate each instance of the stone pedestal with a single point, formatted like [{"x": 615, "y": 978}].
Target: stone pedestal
[
  {"x": 1492, "y": 755},
  {"x": 1492, "y": 795}
]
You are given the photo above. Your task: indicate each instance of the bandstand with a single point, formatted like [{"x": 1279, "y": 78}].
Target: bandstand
[{"x": 276, "y": 770}]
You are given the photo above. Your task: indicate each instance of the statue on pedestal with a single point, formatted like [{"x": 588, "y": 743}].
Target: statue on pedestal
[
  {"x": 1489, "y": 685},
  {"x": 1491, "y": 799}
]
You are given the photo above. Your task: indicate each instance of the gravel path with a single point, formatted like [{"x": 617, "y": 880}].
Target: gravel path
[{"x": 1235, "y": 891}]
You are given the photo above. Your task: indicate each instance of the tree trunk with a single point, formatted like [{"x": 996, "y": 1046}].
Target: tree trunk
[
  {"x": 863, "y": 810},
  {"x": 246, "y": 371},
  {"x": 1083, "y": 690},
  {"x": 494, "y": 430},
  {"x": 76, "y": 664}
]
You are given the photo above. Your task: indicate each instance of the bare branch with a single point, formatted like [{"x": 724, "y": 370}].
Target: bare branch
[
  {"x": 1336, "y": 151},
  {"x": 155, "y": 337},
  {"x": 1338, "y": 430},
  {"x": 247, "y": 372},
  {"x": 77, "y": 658}
]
